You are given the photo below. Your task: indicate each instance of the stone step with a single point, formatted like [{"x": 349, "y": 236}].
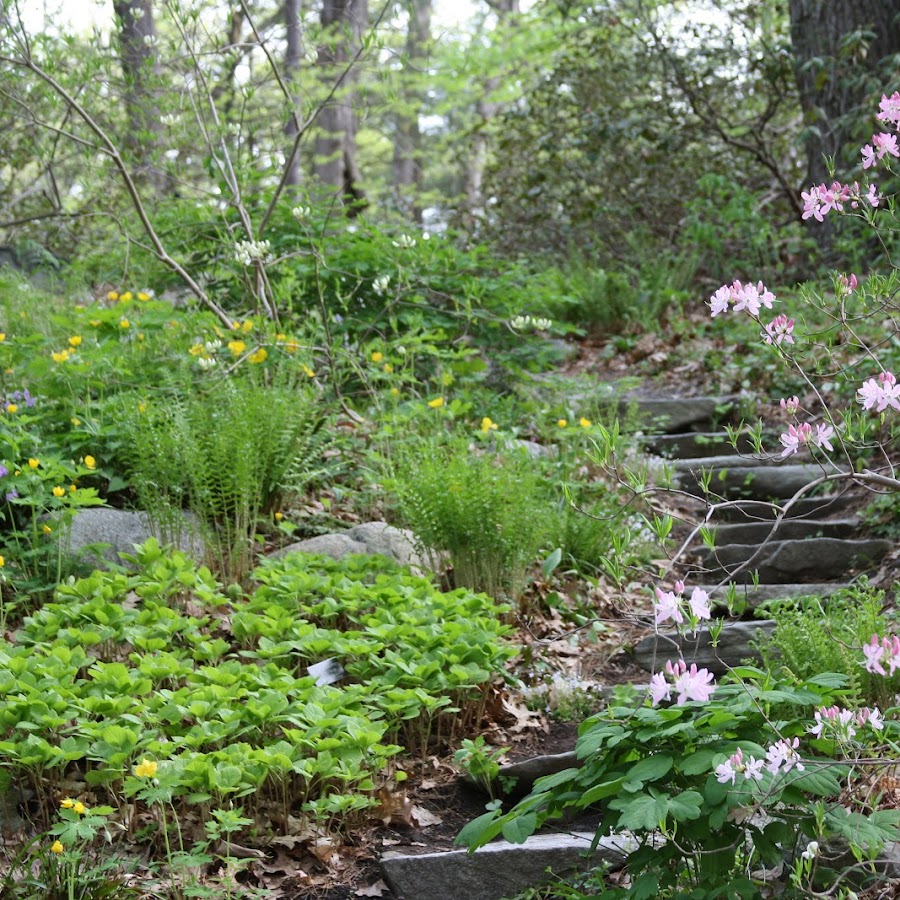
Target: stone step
[
  {"x": 754, "y": 597},
  {"x": 499, "y": 869},
  {"x": 701, "y": 444},
  {"x": 732, "y": 649},
  {"x": 678, "y": 414},
  {"x": 735, "y": 476},
  {"x": 790, "y": 529},
  {"x": 804, "y": 508},
  {"x": 786, "y": 561}
]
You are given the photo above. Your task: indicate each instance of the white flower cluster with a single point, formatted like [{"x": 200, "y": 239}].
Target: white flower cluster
[
  {"x": 249, "y": 252},
  {"x": 526, "y": 323},
  {"x": 301, "y": 212},
  {"x": 404, "y": 242},
  {"x": 380, "y": 284}
]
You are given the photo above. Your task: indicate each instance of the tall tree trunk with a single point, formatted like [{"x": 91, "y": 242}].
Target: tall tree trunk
[
  {"x": 486, "y": 109},
  {"x": 293, "y": 56},
  {"x": 407, "y": 169},
  {"x": 343, "y": 22},
  {"x": 836, "y": 76},
  {"x": 137, "y": 38}
]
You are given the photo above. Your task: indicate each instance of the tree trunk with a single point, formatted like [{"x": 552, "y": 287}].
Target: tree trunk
[
  {"x": 343, "y": 22},
  {"x": 293, "y": 56},
  {"x": 137, "y": 38},
  {"x": 407, "y": 169},
  {"x": 838, "y": 75}
]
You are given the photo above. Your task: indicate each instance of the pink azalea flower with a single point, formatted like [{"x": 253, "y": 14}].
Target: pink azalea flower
[
  {"x": 812, "y": 203},
  {"x": 885, "y": 145},
  {"x": 890, "y": 109},
  {"x": 871, "y": 717},
  {"x": 869, "y": 394},
  {"x": 667, "y": 607},
  {"x": 783, "y": 756},
  {"x": 780, "y": 329},
  {"x": 847, "y": 285},
  {"x": 694, "y": 684},
  {"x": 823, "y": 433},
  {"x": 873, "y": 652},
  {"x": 699, "y": 604},
  {"x": 729, "y": 769},
  {"x": 794, "y": 437},
  {"x": 791, "y": 405},
  {"x": 660, "y": 689},
  {"x": 753, "y": 768},
  {"x": 873, "y": 196},
  {"x": 868, "y": 157},
  {"x": 718, "y": 302}
]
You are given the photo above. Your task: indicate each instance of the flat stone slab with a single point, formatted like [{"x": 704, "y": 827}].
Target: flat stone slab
[
  {"x": 732, "y": 649},
  {"x": 788, "y": 561},
  {"x": 788, "y": 529},
  {"x": 804, "y": 508},
  {"x": 736, "y": 476},
  {"x": 701, "y": 444},
  {"x": 527, "y": 771},
  {"x": 499, "y": 869},
  {"x": 677, "y": 414},
  {"x": 763, "y": 593}
]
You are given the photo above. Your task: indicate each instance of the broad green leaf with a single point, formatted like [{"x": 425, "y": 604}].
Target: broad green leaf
[
  {"x": 685, "y": 806},
  {"x": 651, "y": 768},
  {"x": 700, "y": 762},
  {"x": 642, "y": 813}
]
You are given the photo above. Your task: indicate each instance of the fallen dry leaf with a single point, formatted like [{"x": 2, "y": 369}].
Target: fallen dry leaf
[
  {"x": 423, "y": 818},
  {"x": 373, "y": 890}
]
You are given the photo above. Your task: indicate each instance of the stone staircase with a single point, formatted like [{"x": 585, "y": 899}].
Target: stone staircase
[{"x": 815, "y": 550}]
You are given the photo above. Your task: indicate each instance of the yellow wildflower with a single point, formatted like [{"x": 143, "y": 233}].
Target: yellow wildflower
[
  {"x": 395, "y": 392},
  {"x": 307, "y": 371},
  {"x": 56, "y": 847},
  {"x": 143, "y": 295},
  {"x": 75, "y": 421},
  {"x": 59, "y": 491},
  {"x": 145, "y": 769},
  {"x": 73, "y": 488},
  {"x": 62, "y": 356},
  {"x": 280, "y": 337},
  {"x": 388, "y": 368},
  {"x": 68, "y": 803},
  {"x": 90, "y": 462},
  {"x": 437, "y": 403},
  {"x": 247, "y": 327},
  {"x": 124, "y": 323},
  {"x": 75, "y": 340},
  {"x": 236, "y": 347},
  {"x": 33, "y": 463},
  {"x": 2, "y": 337},
  {"x": 488, "y": 425},
  {"x": 196, "y": 350},
  {"x": 584, "y": 423},
  {"x": 279, "y": 516},
  {"x": 377, "y": 357},
  {"x": 563, "y": 423},
  {"x": 112, "y": 295},
  {"x": 80, "y": 808},
  {"x": 12, "y": 408},
  {"x": 292, "y": 346},
  {"x": 124, "y": 298},
  {"x": 142, "y": 407},
  {"x": 47, "y": 529},
  {"x": 259, "y": 356},
  {"x": 94, "y": 323},
  {"x": 2, "y": 562},
  {"x": 236, "y": 325}
]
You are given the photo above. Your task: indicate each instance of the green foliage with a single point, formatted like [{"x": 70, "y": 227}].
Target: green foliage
[
  {"x": 228, "y": 455},
  {"x": 485, "y": 509},
  {"x": 139, "y": 667},
  {"x": 815, "y": 635},
  {"x": 481, "y": 763},
  {"x": 651, "y": 771}
]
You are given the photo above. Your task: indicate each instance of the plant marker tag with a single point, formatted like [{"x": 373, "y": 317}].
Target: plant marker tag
[{"x": 326, "y": 672}]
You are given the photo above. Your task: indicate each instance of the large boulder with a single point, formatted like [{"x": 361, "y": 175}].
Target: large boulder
[
  {"x": 397, "y": 544},
  {"x": 120, "y": 530}
]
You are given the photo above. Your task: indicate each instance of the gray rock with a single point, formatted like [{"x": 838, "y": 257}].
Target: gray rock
[
  {"x": 499, "y": 869},
  {"x": 788, "y": 529},
  {"x": 739, "y": 477},
  {"x": 527, "y": 771},
  {"x": 536, "y": 450},
  {"x": 754, "y": 597},
  {"x": 701, "y": 444},
  {"x": 804, "y": 508},
  {"x": 397, "y": 544},
  {"x": 122, "y": 530},
  {"x": 732, "y": 649},
  {"x": 787, "y": 561},
  {"x": 678, "y": 414}
]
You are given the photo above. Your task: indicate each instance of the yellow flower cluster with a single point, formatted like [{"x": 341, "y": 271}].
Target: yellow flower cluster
[
  {"x": 75, "y": 805},
  {"x": 146, "y": 769},
  {"x": 488, "y": 425},
  {"x": 437, "y": 403}
]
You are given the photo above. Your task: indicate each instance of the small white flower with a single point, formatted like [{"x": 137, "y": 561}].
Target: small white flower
[
  {"x": 249, "y": 252},
  {"x": 212, "y": 346},
  {"x": 811, "y": 851},
  {"x": 149, "y": 40},
  {"x": 404, "y": 242},
  {"x": 380, "y": 284},
  {"x": 301, "y": 212},
  {"x": 205, "y": 362}
]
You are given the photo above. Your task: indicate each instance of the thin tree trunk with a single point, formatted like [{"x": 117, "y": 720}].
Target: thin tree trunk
[
  {"x": 336, "y": 169},
  {"x": 293, "y": 56},
  {"x": 408, "y": 174}
]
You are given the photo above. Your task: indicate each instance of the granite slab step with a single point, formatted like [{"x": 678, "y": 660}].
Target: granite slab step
[
  {"x": 754, "y": 596},
  {"x": 701, "y": 444},
  {"x": 804, "y": 508},
  {"x": 678, "y": 414},
  {"x": 732, "y": 648},
  {"x": 499, "y": 869},
  {"x": 738, "y": 477},
  {"x": 790, "y": 529},
  {"x": 788, "y": 561}
]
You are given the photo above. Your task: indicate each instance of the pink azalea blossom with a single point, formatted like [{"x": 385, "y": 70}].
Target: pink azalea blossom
[
  {"x": 660, "y": 689},
  {"x": 871, "y": 717},
  {"x": 812, "y": 203},
  {"x": 794, "y": 437},
  {"x": 885, "y": 145},
  {"x": 868, "y": 156},
  {"x": 880, "y": 394},
  {"x": 791, "y": 405},
  {"x": 729, "y": 769},
  {"x": 694, "y": 684},
  {"x": 753, "y": 768},
  {"x": 667, "y": 606},
  {"x": 783, "y": 756},
  {"x": 719, "y": 301},
  {"x": 874, "y": 652},
  {"x": 823, "y": 434},
  {"x": 834, "y": 722},
  {"x": 699, "y": 604},
  {"x": 847, "y": 285},
  {"x": 890, "y": 109},
  {"x": 873, "y": 196},
  {"x": 780, "y": 329}
]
